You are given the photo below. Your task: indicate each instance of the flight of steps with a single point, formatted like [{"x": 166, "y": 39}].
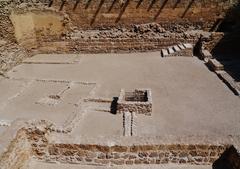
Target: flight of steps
[{"x": 185, "y": 49}]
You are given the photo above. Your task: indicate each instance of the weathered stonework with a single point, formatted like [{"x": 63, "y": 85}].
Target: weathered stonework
[
  {"x": 70, "y": 18},
  {"x": 11, "y": 54},
  {"x": 137, "y": 154},
  {"x": 18, "y": 153},
  {"x": 32, "y": 142},
  {"x": 198, "y": 154},
  {"x": 139, "y": 102}
]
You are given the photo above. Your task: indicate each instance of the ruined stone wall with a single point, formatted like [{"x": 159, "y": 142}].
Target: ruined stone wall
[
  {"x": 118, "y": 41},
  {"x": 32, "y": 142},
  {"x": 11, "y": 54},
  {"x": 169, "y": 13},
  {"x": 136, "y": 154},
  {"x": 104, "y": 13},
  {"x": 53, "y": 21},
  {"x": 203, "y": 154},
  {"x": 6, "y": 27},
  {"x": 195, "y": 154},
  {"x": 18, "y": 154}
]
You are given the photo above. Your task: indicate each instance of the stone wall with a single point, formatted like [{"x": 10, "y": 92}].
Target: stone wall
[
  {"x": 11, "y": 54},
  {"x": 104, "y": 45},
  {"x": 95, "y": 13},
  {"x": 204, "y": 154},
  {"x": 169, "y": 13},
  {"x": 18, "y": 153},
  {"x": 93, "y": 16},
  {"x": 6, "y": 27},
  {"x": 139, "y": 101},
  {"x": 136, "y": 154},
  {"x": 32, "y": 142}
]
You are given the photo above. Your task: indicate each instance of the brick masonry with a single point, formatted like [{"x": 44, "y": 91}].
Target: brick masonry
[
  {"x": 111, "y": 45},
  {"x": 204, "y": 154},
  {"x": 32, "y": 142},
  {"x": 137, "y": 154}
]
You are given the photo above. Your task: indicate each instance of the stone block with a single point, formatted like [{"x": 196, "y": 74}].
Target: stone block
[
  {"x": 181, "y": 46},
  {"x": 129, "y": 162},
  {"x": 176, "y": 48},
  {"x": 188, "y": 46},
  {"x": 170, "y": 50},
  {"x": 206, "y": 54},
  {"x": 164, "y": 53},
  {"x": 229, "y": 81},
  {"x": 138, "y": 101},
  {"x": 118, "y": 162},
  {"x": 127, "y": 123},
  {"x": 215, "y": 65}
]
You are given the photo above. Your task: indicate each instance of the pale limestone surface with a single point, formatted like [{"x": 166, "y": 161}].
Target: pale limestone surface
[
  {"x": 188, "y": 99},
  {"x": 33, "y": 102},
  {"x": 8, "y": 134},
  {"x": 53, "y": 59},
  {"x": 40, "y": 165},
  {"x": 2, "y": 129}
]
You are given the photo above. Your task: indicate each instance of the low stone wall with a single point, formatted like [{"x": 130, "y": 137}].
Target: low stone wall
[
  {"x": 169, "y": 13},
  {"x": 199, "y": 154},
  {"x": 111, "y": 45},
  {"x": 18, "y": 153},
  {"x": 11, "y": 54},
  {"x": 136, "y": 154},
  {"x": 139, "y": 106},
  {"x": 33, "y": 142},
  {"x": 210, "y": 41}
]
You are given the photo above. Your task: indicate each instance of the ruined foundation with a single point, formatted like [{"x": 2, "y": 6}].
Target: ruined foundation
[
  {"x": 139, "y": 101},
  {"x": 63, "y": 63}
]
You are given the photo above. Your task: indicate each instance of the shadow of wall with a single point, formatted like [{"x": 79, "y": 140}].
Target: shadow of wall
[
  {"x": 230, "y": 159},
  {"x": 227, "y": 50},
  {"x": 228, "y": 46}
]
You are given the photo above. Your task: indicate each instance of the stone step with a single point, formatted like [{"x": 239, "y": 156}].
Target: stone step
[
  {"x": 229, "y": 81},
  {"x": 170, "y": 50},
  {"x": 215, "y": 65},
  {"x": 164, "y": 53},
  {"x": 188, "y": 45},
  {"x": 206, "y": 54},
  {"x": 176, "y": 48},
  {"x": 181, "y": 46},
  {"x": 173, "y": 50}
]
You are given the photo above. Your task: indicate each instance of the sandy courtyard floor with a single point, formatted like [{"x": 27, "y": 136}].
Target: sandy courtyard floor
[
  {"x": 188, "y": 99},
  {"x": 40, "y": 165}
]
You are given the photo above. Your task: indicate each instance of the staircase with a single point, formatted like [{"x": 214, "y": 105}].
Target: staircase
[{"x": 185, "y": 49}]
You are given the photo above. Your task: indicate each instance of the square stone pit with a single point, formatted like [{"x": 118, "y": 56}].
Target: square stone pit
[{"x": 139, "y": 101}]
